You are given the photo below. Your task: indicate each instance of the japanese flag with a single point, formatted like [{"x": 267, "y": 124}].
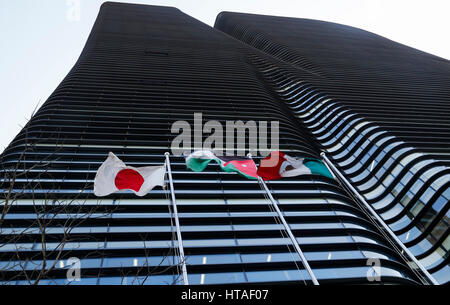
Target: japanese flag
[{"x": 113, "y": 176}]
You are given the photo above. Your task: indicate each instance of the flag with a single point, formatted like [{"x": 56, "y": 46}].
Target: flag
[
  {"x": 113, "y": 176},
  {"x": 198, "y": 160},
  {"x": 279, "y": 165}
]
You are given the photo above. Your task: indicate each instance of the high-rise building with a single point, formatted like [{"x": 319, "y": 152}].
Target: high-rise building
[
  {"x": 380, "y": 111},
  {"x": 332, "y": 88}
]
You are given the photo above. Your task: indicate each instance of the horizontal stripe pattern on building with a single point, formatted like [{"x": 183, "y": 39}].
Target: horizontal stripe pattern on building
[{"x": 136, "y": 77}]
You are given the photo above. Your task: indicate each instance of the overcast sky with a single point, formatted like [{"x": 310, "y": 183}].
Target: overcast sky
[{"x": 41, "y": 40}]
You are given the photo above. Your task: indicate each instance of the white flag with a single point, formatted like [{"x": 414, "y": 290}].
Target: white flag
[{"x": 113, "y": 176}]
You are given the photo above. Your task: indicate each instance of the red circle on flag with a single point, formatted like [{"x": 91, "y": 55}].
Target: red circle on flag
[{"x": 129, "y": 179}]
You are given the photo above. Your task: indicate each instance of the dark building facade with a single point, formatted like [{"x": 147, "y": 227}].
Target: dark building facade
[
  {"x": 332, "y": 88},
  {"x": 378, "y": 108}
]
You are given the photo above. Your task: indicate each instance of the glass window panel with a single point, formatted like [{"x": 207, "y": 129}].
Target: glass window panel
[
  {"x": 216, "y": 278},
  {"x": 277, "y": 276}
]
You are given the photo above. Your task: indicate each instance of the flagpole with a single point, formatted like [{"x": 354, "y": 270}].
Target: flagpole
[
  {"x": 177, "y": 222},
  {"x": 289, "y": 231},
  {"x": 291, "y": 235},
  {"x": 380, "y": 220}
]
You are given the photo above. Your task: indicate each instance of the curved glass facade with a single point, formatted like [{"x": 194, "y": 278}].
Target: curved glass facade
[
  {"x": 404, "y": 177},
  {"x": 144, "y": 68}
]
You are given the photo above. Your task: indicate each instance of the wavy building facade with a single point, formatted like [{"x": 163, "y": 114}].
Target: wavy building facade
[
  {"x": 332, "y": 88},
  {"x": 379, "y": 109}
]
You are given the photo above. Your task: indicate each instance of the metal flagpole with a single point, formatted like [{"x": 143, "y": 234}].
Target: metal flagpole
[
  {"x": 291, "y": 235},
  {"x": 177, "y": 221},
  {"x": 380, "y": 220},
  {"x": 289, "y": 231}
]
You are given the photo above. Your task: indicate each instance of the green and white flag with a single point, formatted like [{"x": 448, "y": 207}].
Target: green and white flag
[{"x": 199, "y": 160}]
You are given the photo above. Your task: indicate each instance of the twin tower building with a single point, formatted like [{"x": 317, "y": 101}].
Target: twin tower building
[{"x": 379, "y": 110}]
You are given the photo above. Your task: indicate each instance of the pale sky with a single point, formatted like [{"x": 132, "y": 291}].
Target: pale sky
[{"x": 40, "y": 41}]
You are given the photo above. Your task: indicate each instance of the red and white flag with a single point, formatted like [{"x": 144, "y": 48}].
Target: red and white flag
[
  {"x": 113, "y": 176},
  {"x": 279, "y": 165}
]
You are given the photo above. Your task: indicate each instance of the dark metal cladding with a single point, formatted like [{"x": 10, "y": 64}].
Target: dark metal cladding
[
  {"x": 142, "y": 69},
  {"x": 378, "y": 108}
]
